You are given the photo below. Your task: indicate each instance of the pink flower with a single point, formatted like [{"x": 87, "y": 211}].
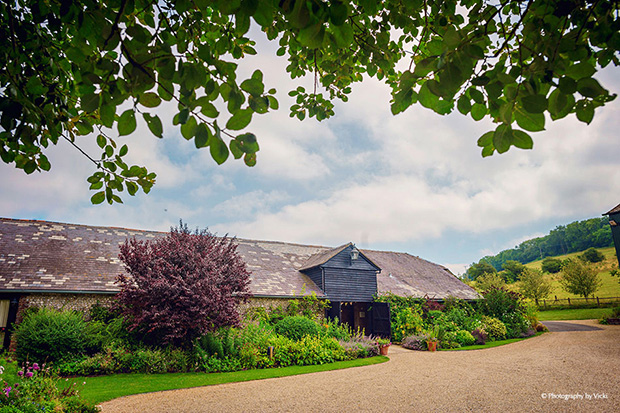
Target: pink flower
[
  {"x": 20, "y": 373},
  {"x": 7, "y": 391},
  {"x": 28, "y": 374},
  {"x": 35, "y": 366}
]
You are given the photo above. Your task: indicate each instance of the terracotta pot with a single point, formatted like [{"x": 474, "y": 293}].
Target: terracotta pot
[
  {"x": 384, "y": 349},
  {"x": 432, "y": 345}
]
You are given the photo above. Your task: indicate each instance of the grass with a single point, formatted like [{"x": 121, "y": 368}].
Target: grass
[
  {"x": 610, "y": 285},
  {"x": 574, "y": 314},
  {"x": 103, "y": 388},
  {"x": 489, "y": 344}
]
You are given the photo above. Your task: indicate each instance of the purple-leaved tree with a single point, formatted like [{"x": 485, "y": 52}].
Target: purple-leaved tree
[{"x": 181, "y": 286}]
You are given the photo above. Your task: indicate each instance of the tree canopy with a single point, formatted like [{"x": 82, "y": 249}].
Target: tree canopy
[{"x": 91, "y": 68}]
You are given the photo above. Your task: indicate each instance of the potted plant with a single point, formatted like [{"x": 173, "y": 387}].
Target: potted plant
[
  {"x": 431, "y": 343},
  {"x": 434, "y": 338},
  {"x": 384, "y": 345}
]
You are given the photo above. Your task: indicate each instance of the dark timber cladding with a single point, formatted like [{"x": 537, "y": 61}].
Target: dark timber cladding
[
  {"x": 343, "y": 277},
  {"x": 614, "y": 222}
]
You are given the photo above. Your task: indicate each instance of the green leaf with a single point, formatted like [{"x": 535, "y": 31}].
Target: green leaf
[
  {"x": 123, "y": 151},
  {"x": 188, "y": 129},
  {"x": 98, "y": 198},
  {"x": 202, "y": 135},
  {"x": 463, "y": 105},
  {"x": 240, "y": 119},
  {"x": 402, "y": 100},
  {"x": 585, "y": 113},
  {"x": 505, "y": 112},
  {"x": 426, "y": 98},
  {"x": 478, "y": 111},
  {"x": 259, "y": 104},
  {"x": 486, "y": 139},
  {"x": 250, "y": 159},
  {"x": 101, "y": 141},
  {"x": 451, "y": 38},
  {"x": 248, "y": 143},
  {"x": 254, "y": 87},
  {"x": 338, "y": 12},
  {"x": 132, "y": 188},
  {"x": 149, "y": 99},
  {"x": 312, "y": 36},
  {"x": 127, "y": 123},
  {"x": 218, "y": 149},
  {"x": 235, "y": 149},
  {"x": 502, "y": 138},
  {"x": 522, "y": 140},
  {"x": 273, "y": 102},
  {"x": 557, "y": 102},
  {"x": 208, "y": 109},
  {"x": 534, "y": 103},
  {"x": 580, "y": 70},
  {"x": 567, "y": 85},
  {"x": 590, "y": 88},
  {"x": 154, "y": 124},
  {"x": 44, "y": 163},
  {"x": 106, "y": 113},
  {"x": 424, "y": 67},
  {"x": 488, "y": 151},
  {"x": 533, "y": 122}
]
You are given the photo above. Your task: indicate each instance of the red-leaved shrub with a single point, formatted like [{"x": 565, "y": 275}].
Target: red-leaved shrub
[{"x": 181, "y": 286}]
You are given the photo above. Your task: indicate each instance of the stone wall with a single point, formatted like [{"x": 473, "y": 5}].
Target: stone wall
[{"x": 77, "y": 302}]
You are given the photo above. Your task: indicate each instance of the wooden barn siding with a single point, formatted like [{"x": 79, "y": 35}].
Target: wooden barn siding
[
  {"x": 350, "y": 285},
  {"x": 316, "y": 275},
  {"x": 343, "y": 260},
  {"x": 615, "y": 233}
]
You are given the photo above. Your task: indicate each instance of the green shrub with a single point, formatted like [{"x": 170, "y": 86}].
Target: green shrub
[
  {"x": 551, "y": 265},
  {"x": 480, "y": 336},
  {"x": 592, "y": 255},
  {"x": 494, "y": 327},
  {"x": 464, "y": 338},
  {"x": 49, "y": 335},
  {"x": 296, "y": 327},
  {"x": 333, "y": 328},
  {"x": 407, "y": 321}
]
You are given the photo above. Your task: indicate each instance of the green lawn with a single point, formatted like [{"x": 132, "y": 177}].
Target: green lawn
[
  {"x": 103, "y": 388},
  {"x": 574, "y": 314},
  {"x": 489, "y": 344}
]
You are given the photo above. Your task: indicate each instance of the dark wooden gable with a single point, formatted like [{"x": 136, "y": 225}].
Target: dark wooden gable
[{"x": 343, "y": 278}]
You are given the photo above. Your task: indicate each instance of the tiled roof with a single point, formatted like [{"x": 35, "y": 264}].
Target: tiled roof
[
  {"x": 613, "y": 211},
  {"x": 48, "y": 256}
]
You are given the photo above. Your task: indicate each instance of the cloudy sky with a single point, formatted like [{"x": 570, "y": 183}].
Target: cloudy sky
[{"x": 415, "y": 182}]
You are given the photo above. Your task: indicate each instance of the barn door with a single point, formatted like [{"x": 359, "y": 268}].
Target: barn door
[
  {"x": 334, "y": 311},
  {"x": 380, "y": 320}
]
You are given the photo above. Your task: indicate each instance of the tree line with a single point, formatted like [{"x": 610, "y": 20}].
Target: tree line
[{"x": 564, "y": 239}]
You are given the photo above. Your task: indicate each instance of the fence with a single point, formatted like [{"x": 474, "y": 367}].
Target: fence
[{"x": 578, "y": 302}]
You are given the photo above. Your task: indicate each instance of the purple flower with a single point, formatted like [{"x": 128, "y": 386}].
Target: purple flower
[
  {"x": 28, "y": 374},
  {"x": 35, "y": 366},
  {"x": 7, "y": 391},
  {"x": 20, "y": 373}
]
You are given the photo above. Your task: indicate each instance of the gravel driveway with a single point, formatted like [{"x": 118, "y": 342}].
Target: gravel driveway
[{"x": 558, "y": 371}]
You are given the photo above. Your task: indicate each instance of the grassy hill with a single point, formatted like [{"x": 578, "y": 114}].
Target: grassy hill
[{"x": 610, "y": 287}]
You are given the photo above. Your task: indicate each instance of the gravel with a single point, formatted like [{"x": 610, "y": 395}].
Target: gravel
[{"x": 561, "y": 371}]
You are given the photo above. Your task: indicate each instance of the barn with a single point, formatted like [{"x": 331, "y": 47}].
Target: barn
[{"x": 74, "y": 266}]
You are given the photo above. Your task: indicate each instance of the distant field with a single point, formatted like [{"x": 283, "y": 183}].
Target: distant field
[
  {"x": 574, "y": 314},
  {"x": 610, "y": 287}
]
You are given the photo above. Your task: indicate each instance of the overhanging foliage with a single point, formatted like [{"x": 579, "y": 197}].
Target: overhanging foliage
[{"x": 70, "y": 69}]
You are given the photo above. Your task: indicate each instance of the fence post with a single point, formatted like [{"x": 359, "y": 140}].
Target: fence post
[
  {"x": 598, "y": 303},
  {"x": 569, "y": 302},
  {"x": 545, "y": 303},
  {"x": 536, "y": 302}
]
